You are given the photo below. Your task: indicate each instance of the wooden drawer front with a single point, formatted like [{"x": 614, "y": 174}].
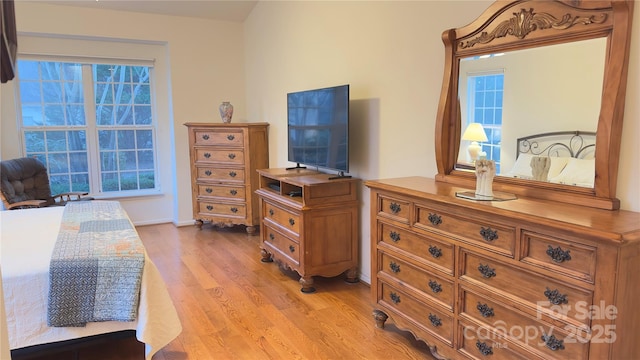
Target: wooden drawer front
[
  {"x": 523, "y": 329},
  {"x": 220, "y": 137},
  {"x": 436, "y": 253},
  {"x": 568, "y": 258},
  {"x": 224, "y": 156},
  {"x": 498, "y": 238},
  {"x": 286, "y": 219},
  {"x": 218, "y": 174},
  {"x": 436, "y": 287},
  {"x": 538, "y": 291},
  {"x": 226, "y": 192},
  {"x": 213, "y": 208},
  {"x": 281, "y": 244},
  {"x": 398, "y": 210},
  {"x": 480, "y": 343},
  {"x": 435, "y": 321}
]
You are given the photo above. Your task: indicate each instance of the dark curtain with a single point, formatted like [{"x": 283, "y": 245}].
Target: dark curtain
[{"x": 9, "y": 46}]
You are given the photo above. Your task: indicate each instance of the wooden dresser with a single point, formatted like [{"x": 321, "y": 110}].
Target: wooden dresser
[
  {"x": 518, "y": 279},
  {"x": 310, "y": 223},
  {"x": 224, "y": 159}
]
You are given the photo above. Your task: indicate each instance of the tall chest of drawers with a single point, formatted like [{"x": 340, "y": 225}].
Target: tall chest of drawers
[
  {"x": 224, "y": 159},
  {"x": 518, "y": 279}
]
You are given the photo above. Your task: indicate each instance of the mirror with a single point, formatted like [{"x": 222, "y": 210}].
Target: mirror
[
  {"x": 543, "y": 66},
  {"x": 541, "y": 90}
]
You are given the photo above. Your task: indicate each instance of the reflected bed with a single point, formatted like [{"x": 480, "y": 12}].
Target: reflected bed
[{"x": 570, "y": 155}]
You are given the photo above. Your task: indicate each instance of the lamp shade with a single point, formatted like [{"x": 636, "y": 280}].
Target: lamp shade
[{"x": 475, "y": 132}]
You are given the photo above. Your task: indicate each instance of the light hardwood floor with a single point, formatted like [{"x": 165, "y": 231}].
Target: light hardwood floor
[{"x": 233, "y": 306}]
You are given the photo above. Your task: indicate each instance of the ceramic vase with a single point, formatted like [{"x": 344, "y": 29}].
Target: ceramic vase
[{"x": 226, "y": 112}]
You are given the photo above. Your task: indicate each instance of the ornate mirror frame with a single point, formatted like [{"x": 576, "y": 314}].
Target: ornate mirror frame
[{"x": 524, "y": 24}]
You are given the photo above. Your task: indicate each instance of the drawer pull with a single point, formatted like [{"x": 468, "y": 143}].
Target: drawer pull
[
  {"x": 271, "y": 212},
  {"x": 395, "y": 208},
  {"x": 230, "y": 137},
  {"x": 395, "y": 298},
  {"x": 234, "y": 210},
  {"x": 435, "y": 287},
  {"x": 207, "y": 155},
  {"x": 205, "y": 136},
  {"x": 394, "y": 236},
  {"x": 435, "y": 219},
  {"x": 271, "y": 236},
  {"x": 555, "y": 297},
  {"x": 552, "y": 343},
  {"x": 233, "y": 192},
  {"x": 292, "y": 222},
  {"x": 484, "y": 348},
  {"x": 558, "y": 255},
  {"x": 292, "y": 248},
  {"x": 485, "y": 310},
  {"x": 435, "y": 251},
  {"x": 486, "y": 271},
  {"x": 232, "y": 156},
  {"x": 208, "y": 172},
  {"x": 209, "y": 207},
  {"x": 435, "y": 321},
  {"x": 208, "y": 190},
  {"x": 233, "y": 174},
  {"x": 394, "y": 267},
  {"x": 488, "y": 234}
]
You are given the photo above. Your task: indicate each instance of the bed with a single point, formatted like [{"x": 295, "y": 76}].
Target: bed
[
  {"x": 28, "y": 240},
  {"x": 570, "y": 155}
]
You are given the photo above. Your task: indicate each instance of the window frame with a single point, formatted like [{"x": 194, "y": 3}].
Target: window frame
[
  {"x": 471, "y": 118},
  {"x": 91, "y": 127}
]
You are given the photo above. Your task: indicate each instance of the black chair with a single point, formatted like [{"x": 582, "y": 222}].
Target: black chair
[{"x": 25, "y": 184}]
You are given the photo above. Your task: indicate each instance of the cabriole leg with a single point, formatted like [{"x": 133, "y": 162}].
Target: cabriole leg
[{"x": 380, "y": 318}]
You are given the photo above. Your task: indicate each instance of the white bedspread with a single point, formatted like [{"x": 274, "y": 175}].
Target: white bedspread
[{"x": 27, "y": 240}]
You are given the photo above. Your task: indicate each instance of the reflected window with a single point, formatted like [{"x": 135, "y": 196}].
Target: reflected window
[{"x": 484, "y": 106}]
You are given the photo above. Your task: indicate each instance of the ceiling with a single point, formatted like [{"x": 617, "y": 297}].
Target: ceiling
[{"x": 226, "y": 10}]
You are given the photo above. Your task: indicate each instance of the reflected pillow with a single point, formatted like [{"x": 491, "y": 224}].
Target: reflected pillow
[
  {"x": 522, "y": 167},
  {"x": 579, "y": 172}
]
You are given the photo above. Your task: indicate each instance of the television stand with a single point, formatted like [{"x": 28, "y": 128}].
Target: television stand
[
  {"x": 296, "y": 167},
  {"x": 340, "y": 175},
  {"x": 310, "y": 225}
]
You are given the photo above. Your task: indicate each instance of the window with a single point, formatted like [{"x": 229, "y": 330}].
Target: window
[
  {"x": 91, "y": 124},
  {"x": 485, "y": 92}
]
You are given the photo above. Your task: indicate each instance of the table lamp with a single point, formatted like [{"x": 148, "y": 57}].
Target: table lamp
[{"x": 474, "y": 133}]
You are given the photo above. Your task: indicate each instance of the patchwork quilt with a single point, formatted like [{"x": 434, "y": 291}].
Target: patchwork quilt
[{"x": 96, "y": 266}]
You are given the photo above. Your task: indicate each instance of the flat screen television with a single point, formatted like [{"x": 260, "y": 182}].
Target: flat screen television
[{"x": 318, "y": 128}]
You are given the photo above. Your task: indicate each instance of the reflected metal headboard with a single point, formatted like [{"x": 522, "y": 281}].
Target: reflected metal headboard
[{"x": 576, "y": 144}]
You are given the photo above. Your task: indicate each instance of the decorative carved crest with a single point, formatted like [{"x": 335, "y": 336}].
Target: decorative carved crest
[{"x": 527, "y": 21}]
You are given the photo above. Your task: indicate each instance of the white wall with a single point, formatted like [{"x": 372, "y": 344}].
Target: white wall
[
  {"x": 391, "y": 54},
  {"x": 628, "y": 190},
  {"x": 206, "y": 64}
]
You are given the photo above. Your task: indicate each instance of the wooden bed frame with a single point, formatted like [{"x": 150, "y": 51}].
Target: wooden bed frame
[{"x": 72, "y": 345}]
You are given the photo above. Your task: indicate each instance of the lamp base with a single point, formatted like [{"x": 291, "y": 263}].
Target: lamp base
[{"x": 474, "y": 150}]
